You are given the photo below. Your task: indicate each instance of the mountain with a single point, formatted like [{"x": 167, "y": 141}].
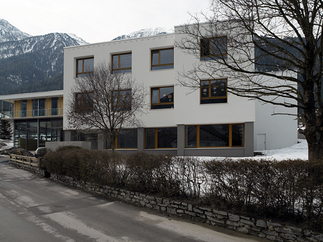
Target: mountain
[
  {"x": 32, "y": 63},
  {"x": 143, "y": 33}
]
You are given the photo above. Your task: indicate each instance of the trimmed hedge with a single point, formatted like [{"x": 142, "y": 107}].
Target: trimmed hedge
[{"x": 290, "y": 190}]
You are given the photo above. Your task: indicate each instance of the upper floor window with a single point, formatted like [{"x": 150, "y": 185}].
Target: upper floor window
[
  {"x": 84, "y": 66},
  {"x": 38, "y": 107},
  {"x": 213, "y": 47},
  {"x": 121, "y": 62},
  {"x": 54, "y": 110},
  {"x": 121, "y": 100},
  {"x": 83, "y": 102},
  {"x": 162, "y": 59},
  {"x": 214, "y": 91},
  {"x": 23, "y": 108},
  {"x": 162, "y": 97}
]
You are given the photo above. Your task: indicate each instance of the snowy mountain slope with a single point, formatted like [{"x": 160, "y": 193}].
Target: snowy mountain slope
[
  {"x": 143, "y": 33},
  {"x": 26, "y": 61},
  {"x": 10, "y": 33}
]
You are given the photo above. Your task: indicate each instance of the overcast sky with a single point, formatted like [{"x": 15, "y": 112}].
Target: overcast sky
[{"x": 98, "y": 20}]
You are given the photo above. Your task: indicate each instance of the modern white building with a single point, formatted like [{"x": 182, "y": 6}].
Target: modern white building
[{"x": 207, "y": 122}]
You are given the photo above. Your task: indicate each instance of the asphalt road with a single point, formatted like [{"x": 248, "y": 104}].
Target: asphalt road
[{"x": 37, "y": 209}]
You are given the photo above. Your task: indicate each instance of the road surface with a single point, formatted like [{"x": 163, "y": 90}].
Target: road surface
[{"x": 36, "y": 209}]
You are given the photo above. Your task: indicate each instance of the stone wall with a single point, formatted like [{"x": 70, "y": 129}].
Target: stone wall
[{"x": 258, "y": 227}]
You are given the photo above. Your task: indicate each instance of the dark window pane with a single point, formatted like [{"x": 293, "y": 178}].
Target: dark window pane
[
  {"x": 125, "y": 61},
  {"x": 79, "y": 66},
  {"x": 166, "y": 56},
  {"x": 155, "y": 57},
  {"x": 237, "y": 134},
  {"x": 54, "y": 110},
  {"x": 214, "y": 135},
  {"x": 150, "y": 138},
  {"x": 88, "y": 65},
  {"x": 167, "y": 138},
  {"x": 115, "y": 62},
  {"x": 166, "y": 94},
  {"x": 218, "y": 46},
  {"x": 155, "y": 96},
  {"x": 191, "y": 136},
  {"x": 205, "y": 47},
  {"x": 127, "y": 138},
  {"x": 23, "y": 108}
]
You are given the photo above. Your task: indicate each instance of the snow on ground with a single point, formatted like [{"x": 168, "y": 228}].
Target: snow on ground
[{"x": 8, "y": 143}]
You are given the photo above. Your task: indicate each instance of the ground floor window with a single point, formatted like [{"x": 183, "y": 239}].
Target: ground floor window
[
  {"x": 217, "y": 135},
  {"x": 126, "y": 139},
  {"x": 30, "y": 134},
  {"x": 161, "y": 138}
]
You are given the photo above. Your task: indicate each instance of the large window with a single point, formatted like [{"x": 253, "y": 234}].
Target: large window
[
  {"x": 83, "y": 101},
  {"x": 84, "y": 66},
  {"x": 162, "y": 97},
  {"x": 213, "y": 47},
  {"x": 121, "y": 62},
  {"x": 126, "y": 139},
  {"x": 121, "y": 100},
  {"x": 160, "y": 138},
  {"x": 23, "y": 108},
  {"x": 214, "y": 91},
  {"x": 38, "y": 107},
  {"x": 162, "y": 59},
  {"x": 54, "y": 110},
  {"x": 217, "y": 135}
]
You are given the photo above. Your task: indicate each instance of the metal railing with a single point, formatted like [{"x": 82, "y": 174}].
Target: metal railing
[
  {"x": 32, "y": 113},
  {"x": 28, "y": 160}
]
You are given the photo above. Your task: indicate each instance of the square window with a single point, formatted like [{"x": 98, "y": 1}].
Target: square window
[
  {"x": 121, "y": 100},
  {"x": 160, "y": 138},
  {"x": 213, "y": 91},
  {"x": 84, "y": 66},
  {"x": 121, "y": 63},
  {"x": 162, "y": 59},
  {"x": 211, "y": 48},
  {"x": 162, "y": 97},
  {"x": 83, "y": 102}
]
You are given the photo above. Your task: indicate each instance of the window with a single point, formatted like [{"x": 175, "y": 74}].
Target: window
[
  {"x": 121, "y": 100},
  {"x": 160, "y": 138},
  {"x": 84, "y": 66},
  {"x": 213, "y": 47},
  {"x": 38, "y": 107},
  {"x": 121, "y": 63},
  {"x": 214, "y": 91},
  {"x": 162, "y": 59},
  {"x": 162, "y": 97},
  {"x": 54, "y": 110},
  {"x": 23, "y": 108},
  {"x": 126, "y": 139},
  {"x": 83, "y": 102},
  {"x": 217, "y": 135}
]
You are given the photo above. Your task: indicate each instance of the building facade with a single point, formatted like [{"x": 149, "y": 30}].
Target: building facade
[
  {"x": 209, "y": 121},
  {"x": 37, "y": 118}
]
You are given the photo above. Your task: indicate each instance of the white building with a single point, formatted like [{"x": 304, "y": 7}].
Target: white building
[{"x": 187, "y": 123}]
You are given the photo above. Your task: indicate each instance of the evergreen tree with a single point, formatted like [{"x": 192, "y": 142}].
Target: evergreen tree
[{"x": 5, "y": 129}]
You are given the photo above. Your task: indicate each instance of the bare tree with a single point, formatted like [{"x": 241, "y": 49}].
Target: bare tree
[
  {"x": 256, "y": 40},
  {"x": 106, "y": 101}
]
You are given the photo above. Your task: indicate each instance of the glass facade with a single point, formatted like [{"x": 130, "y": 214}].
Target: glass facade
[{"x": 30, "y": 134}]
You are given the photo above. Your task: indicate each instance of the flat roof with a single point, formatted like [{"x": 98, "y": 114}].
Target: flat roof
[{"x": 31, "y": 95}]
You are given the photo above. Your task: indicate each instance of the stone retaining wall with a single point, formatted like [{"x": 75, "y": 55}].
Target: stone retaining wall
[{"x": 258, "y": 227}]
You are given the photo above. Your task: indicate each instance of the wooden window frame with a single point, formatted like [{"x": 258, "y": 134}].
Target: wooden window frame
[
  {"x": 83, "y": 71},
  {"x": 215, "y": 99},
  {"x": 230, "y": 136},
  {"x": 159, "y": 104},
  {"x": 210, "y": 55},
  {"x": 84, "y": 107},
  {"x": 120, "y": 107},
  {"x": 118, "y": 69},
  {"x": 156, "y": 139},
  {"x": 161, "y": 65}
]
